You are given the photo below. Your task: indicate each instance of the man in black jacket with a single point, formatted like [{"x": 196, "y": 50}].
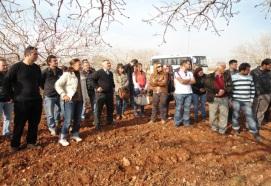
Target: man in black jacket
[
  {"x": 262, "y": 80},
  {"x": 51, "y": 98},
  {"x": 22, "y": 83},
  {"x": 90, "y": 88},
  {"x": 103, "y": 83},
  {"x": 233, "y": 69}
]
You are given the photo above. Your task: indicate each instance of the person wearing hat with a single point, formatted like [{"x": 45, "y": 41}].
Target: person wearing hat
[{"x": 103, "y": 83}]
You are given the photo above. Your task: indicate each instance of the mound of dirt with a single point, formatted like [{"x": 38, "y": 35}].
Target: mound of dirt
[{"x": 133, "y": 152}]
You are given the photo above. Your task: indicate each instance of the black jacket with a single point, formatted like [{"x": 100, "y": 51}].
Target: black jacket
[
  {"x": 48, "y": 81},
  {"x": 101, "y": 79},
  {"x": 262, "y": 81},
  {"x": 23, "y": 82},
  {"x": 170, "y": 87},
  {"x": 89, "y": 82},
  {"x": 3, "y": 96},
  {"x": 198, "y": 85},
  {"x": 130, "y": 70}
]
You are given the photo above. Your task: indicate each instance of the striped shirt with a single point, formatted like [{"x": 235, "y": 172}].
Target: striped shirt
[{"x": 243, "y": 88}]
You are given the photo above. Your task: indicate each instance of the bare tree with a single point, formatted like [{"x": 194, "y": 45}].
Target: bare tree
[
  {"x": 62, "y": 27},
  {"x": 198, "y": 14},
  {"x": 254, "y": 51}
]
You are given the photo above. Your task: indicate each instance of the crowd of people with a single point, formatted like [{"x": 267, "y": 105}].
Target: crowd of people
[{"x": 68, "y": 91}]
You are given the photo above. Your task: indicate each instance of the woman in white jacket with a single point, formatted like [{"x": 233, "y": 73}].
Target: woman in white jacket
[{"x": 68, "y": 86}]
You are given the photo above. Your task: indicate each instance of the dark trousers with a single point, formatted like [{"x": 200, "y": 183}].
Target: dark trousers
[
  {"x": 230, "y": 115},
  {"x": 267, "y": 114},
  {"x": 170, "y": 98},
  {"x": 159, "y": 100},
  {"x": 131, "y": 100},
  {"x": 91, "y": 95},
  {"x": 26, "y": 111},
  {"x": 101, "y": 100}
]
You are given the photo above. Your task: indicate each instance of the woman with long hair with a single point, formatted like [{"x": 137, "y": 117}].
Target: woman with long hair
[
  {"x": 140, "y": 87},
  {"x": 121, "y": 83},
  {"x": 159, "y": 84},
  {"x": 199, "y": 94},
  {"x": 69, "y": 88}
]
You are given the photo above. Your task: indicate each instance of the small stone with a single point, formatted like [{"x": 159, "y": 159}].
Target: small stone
[
  {"x": 183, "y": 156},
  {"x": 133, "y": 178},
  {"x": 156, "y": 159},
  {"x": 99, "y": 138},
  {"x": 126, "y": 162},
  {"x": 174, "y": 159}
]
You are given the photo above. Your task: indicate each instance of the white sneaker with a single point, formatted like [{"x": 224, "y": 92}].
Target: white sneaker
[
  {"x": 52, "y": 131},
  {"x": 63, "y": 142},
  {"x": 76, "y": 138}
]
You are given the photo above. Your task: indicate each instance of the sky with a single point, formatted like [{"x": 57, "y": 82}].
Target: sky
[{"x": 133, "y": 33}]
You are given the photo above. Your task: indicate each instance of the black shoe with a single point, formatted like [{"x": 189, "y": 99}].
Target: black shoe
[
  {"x": 111, "y": 123},
  {"x": 8, "y": 136},
  {"x": 257, "y": 137},
  {"x": 141, "y": 115},
  {"x": 98, "y": 127},
  {"x": 33, "y": 146}
]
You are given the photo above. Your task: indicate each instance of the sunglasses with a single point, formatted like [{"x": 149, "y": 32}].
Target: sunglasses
[{"x": 159, "y": 66}]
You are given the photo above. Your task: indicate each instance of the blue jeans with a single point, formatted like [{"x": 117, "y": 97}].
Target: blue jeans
[
  {"x": 72, "y": 112},
  {"x": 199, "y": 99},
  {"x": 182, "y": 112},
  {"x": 247, "y": 109},
  {"x": 6, "y": 109},
  {"x": 121, "y": 105},
  {"x": 52, "y": 109}
]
